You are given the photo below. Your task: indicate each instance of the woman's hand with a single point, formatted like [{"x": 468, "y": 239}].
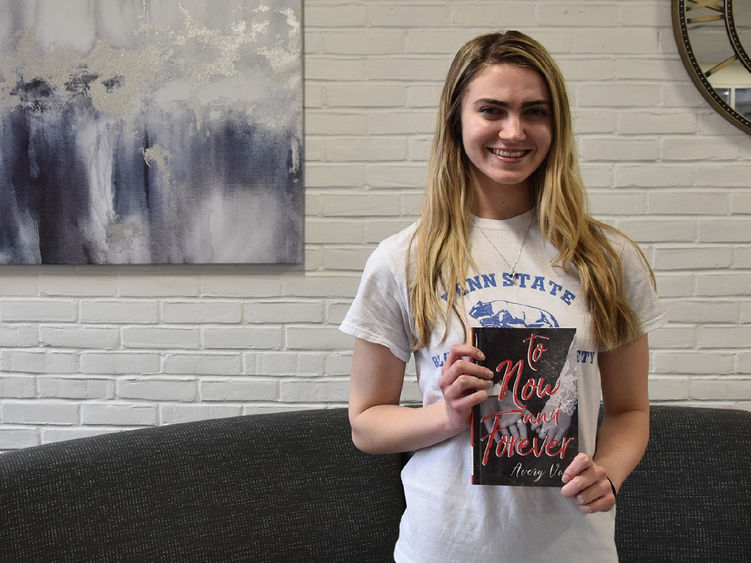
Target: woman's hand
[
  {"x": 555, "y": 430},
  {"x": 381, "y": 425},
  {"x": 464, "y": 383},
  {"x": 587, "y": 485},
  {"x": 510, "y": 423}
]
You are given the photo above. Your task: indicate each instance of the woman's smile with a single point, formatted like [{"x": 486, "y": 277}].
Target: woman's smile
[{"x": 508, "y": 154}]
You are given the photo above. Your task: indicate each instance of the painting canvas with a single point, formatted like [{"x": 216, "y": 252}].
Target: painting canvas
[{"x": 150, "y": 131}]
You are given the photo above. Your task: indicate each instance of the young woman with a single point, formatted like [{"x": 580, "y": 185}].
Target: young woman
[{"x": 504, "y": 237}]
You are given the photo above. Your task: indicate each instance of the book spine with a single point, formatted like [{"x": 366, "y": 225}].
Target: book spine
[{"x": 472, "y": 421}]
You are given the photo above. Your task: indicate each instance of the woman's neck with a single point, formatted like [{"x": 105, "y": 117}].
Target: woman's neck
[{"x": 501, "y": 202}]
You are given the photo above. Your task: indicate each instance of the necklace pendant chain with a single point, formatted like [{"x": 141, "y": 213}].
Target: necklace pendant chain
[{"x": 518, "y": 255}]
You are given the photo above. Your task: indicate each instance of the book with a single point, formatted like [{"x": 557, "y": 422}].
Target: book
[{"x": 526, "y": 432}]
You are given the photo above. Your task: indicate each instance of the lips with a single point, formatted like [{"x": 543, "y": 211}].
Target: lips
[{"x": 504, "y": 153}]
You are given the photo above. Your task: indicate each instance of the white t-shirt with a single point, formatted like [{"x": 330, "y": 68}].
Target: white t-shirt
[{"x": 447, "y": 518}]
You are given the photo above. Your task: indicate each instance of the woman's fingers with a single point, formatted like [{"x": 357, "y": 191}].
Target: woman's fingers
[
  {"x": 459, "y": 351},
  {"x": 578, "y": 465},
  {"x": 462, "y": 376},
  {"x": 587, "y": 485},
  {"x": 595, "y": 498},
  {"x": 464, "y": 383}
]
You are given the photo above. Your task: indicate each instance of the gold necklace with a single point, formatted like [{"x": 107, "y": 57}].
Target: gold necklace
[{"x": 518, "y": 255}]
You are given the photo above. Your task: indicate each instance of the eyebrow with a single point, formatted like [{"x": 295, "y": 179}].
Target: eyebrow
[{"x": 505, "y": 104}]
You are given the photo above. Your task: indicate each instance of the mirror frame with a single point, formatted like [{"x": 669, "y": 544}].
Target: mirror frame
[{"x": 699, "y": 78}]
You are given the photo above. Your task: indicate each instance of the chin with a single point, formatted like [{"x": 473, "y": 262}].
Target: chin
[{"x": 510, "y": 180}]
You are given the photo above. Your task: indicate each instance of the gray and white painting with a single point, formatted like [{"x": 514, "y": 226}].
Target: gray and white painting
[{"x": 150, "y": 131}]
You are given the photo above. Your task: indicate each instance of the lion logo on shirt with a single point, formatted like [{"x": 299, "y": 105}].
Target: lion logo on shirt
[{"x": 508, "y": 314}]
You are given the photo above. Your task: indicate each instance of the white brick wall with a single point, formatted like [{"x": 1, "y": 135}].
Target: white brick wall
[{"x": 86, "y": 350}]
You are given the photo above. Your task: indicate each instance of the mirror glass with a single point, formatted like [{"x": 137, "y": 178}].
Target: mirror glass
[{"x": 714, "y": 40}]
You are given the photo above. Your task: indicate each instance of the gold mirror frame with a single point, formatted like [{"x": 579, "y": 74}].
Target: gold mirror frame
[{"x": 691, "y": 18}]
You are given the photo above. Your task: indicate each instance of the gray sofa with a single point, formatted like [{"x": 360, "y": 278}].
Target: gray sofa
[{"x": 291, "y": 487}]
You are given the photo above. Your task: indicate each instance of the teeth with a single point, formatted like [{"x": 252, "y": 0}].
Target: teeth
[{"x": 507, "y": 154}]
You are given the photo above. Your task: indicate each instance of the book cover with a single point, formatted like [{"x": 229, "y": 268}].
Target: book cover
[{"x": 526, "y": 433}]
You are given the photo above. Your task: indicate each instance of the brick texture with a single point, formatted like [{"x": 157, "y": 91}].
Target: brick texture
[{"x": 86, "y": 351}]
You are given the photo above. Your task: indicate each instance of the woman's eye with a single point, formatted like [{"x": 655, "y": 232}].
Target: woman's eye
[
  {"x": 490, "y": 111},
  {"x": 538, "y": 112}
]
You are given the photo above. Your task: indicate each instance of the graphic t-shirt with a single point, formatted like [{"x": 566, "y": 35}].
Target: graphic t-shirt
[{"x": 447, "y": 518}]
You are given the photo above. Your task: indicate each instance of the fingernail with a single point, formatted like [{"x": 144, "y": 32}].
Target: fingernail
[{"x": 480, "y": 355}]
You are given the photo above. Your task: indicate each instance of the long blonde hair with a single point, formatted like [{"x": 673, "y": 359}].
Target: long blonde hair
[{"x": 440, "y": 249}]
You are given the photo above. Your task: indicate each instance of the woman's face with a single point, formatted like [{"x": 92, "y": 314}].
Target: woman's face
[{"x": 507, "y": 129}]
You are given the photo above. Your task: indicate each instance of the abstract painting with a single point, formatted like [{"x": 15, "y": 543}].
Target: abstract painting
[{"x": 150, "y": 131}]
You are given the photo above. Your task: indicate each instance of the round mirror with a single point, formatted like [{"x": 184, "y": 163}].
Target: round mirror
[{"x": 714, "y": 40}]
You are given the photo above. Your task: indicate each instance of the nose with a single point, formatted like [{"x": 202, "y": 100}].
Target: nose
[{"x": 512, "y": 128}]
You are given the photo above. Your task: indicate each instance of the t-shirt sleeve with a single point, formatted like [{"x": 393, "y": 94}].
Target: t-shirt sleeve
[
  {"x": 379, "y": 312},
  {"x": 640, "y": 292}
]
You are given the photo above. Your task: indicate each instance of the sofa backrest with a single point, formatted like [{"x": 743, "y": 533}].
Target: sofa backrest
[
  {"x": 277, "y": 487},
  {"x": 291, "y": 487}
]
